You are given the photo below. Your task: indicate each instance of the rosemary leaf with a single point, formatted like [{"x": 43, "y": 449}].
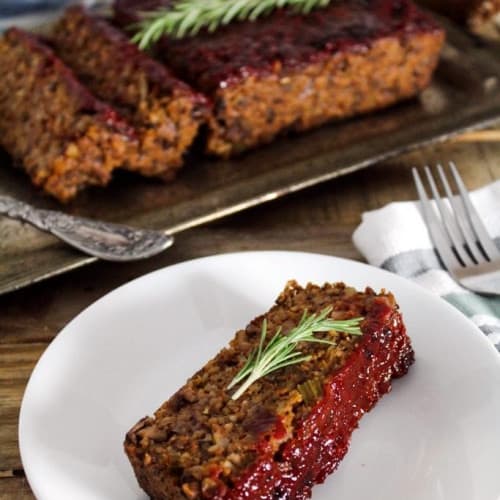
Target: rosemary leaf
[
  {"x": 187, "y": 17},
  {"x": 281, "y": 351}
]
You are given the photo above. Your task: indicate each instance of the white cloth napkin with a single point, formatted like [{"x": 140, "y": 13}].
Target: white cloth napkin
[{"x": 395, "y": 238}]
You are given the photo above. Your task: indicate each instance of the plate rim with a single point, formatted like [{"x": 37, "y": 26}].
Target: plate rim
[{"x": 66, "y": 330}]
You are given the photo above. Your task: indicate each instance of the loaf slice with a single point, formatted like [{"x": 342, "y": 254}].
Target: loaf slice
[
  {"x": 63, "y": 137},
  {"x": 291, "y": 428},
  {"x": 165, "y": 112},
  {"x": 288, "y": 72}
]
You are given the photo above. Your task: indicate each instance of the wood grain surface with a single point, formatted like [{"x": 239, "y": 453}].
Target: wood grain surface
[{"x": 320, "y": 219}]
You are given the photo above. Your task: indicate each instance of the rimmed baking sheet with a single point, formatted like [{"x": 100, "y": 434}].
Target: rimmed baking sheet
[{"x": 465, "y": 94}]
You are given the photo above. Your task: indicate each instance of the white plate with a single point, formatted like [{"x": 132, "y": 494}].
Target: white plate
[{"x": 436, "y": 436}]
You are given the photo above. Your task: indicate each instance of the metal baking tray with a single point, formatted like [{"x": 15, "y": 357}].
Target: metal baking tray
[{"x": 465, "y": 94}]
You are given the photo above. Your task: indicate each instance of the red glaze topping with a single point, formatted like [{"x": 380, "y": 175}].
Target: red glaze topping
[
  {"x": 280, "y": 40},
  {"x": 127, "y": 53},
  {"x": 322, "y": 438}
]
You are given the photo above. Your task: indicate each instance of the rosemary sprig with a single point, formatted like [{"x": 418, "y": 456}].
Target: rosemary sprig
[
  {"x": 187, "y": 17},
  {"x": 282, "y": 351}
]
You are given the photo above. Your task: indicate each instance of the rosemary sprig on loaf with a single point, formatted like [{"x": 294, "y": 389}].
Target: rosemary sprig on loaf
[
  {"x": 187, "y": 17},
  {"x": 281, "y": 350}
]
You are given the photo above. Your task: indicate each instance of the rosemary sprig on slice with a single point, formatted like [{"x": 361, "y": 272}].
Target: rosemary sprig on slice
[
  {"x": 282, "y": 351},
  {"x": 187, "y": 17}
]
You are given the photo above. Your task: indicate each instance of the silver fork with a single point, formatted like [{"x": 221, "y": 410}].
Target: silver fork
[{"x": 458, "y": 234}]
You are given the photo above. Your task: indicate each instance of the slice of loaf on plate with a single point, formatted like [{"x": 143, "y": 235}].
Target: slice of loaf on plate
[{"x": 290, "y": 428}]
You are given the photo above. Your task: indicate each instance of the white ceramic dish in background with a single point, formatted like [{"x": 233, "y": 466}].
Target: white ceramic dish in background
[{"x": 435, "y": 437}]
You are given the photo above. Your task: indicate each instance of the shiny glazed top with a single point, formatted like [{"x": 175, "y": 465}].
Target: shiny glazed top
[
  {"x": 282, "y": 40},
  {"x": 126, "y": 54},
  {"x": 322, "y": 439}
]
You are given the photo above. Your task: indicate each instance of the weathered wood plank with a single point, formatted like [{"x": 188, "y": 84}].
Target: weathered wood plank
[
  {"x": 16, "y": 365},
  {"x": 15, "y": 488}
]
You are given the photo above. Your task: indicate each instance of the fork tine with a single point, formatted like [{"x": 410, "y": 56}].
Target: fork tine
[
  {"x": 449, "y": 221},
  {"x": 462, "y": 219},
  {"x": 438, "y": 236},
  {"x": 476, "y": 223}
]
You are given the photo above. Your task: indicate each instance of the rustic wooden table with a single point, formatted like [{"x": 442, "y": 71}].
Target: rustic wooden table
[{"x": 321, "y": 220}]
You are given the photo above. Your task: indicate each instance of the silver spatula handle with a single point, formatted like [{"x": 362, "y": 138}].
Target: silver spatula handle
[{"x": 100, "y": 239}]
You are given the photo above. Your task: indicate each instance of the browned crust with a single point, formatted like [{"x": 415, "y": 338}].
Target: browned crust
[
  {"x": 64, "y": 138},
  {"x": 346, "y": 84},
  {"x": 165, "y": 112}
]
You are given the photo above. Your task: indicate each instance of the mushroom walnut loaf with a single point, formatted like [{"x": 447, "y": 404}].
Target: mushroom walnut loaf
[
  {"x": 64, "y": 138},
  {"x": 481, "y": 16},
  {"x": 484, "y": 18},
  {"x": 165, "y": 111},
  {"x": 276, "y": 440},
  {"x": 288, "y": 72}
]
